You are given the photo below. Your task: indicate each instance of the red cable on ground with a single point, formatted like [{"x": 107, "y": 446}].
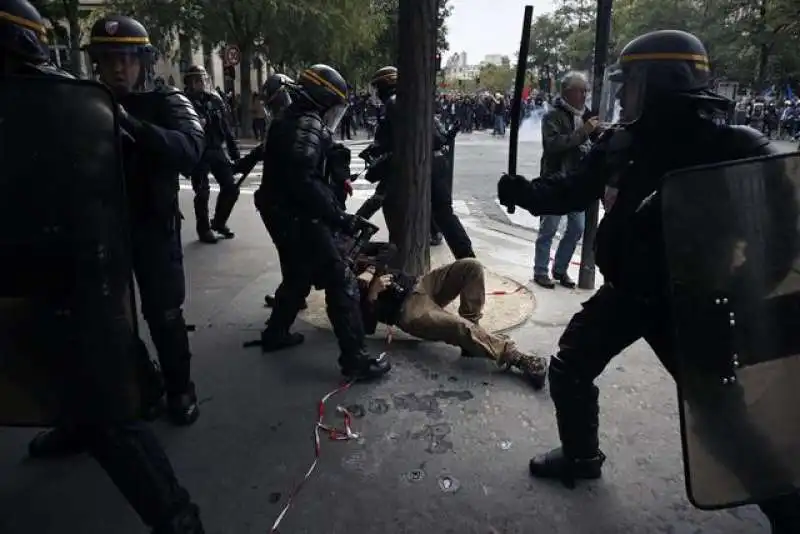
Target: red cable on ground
[
  {"x": 335, "y": 434},
  {"x": 504, "y": 292}
]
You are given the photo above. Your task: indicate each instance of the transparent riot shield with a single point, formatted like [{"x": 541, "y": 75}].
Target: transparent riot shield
[
  {"x": 733, "y": 254},
  {"x": 68, "y": 348}
]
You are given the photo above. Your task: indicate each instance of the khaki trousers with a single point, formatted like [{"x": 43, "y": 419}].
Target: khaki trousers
[{"x": 423, "y": 314}]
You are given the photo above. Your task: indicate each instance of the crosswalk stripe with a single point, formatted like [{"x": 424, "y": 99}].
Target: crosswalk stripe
[{"x": 362, "y": 189}]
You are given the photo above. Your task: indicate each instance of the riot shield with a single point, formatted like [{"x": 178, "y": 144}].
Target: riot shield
[
  {"x": 733, "y": 254},
  {"x": 68, "y": 348}
]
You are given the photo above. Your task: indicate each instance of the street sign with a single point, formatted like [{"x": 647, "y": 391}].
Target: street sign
[{"x": 232, "y": 55}]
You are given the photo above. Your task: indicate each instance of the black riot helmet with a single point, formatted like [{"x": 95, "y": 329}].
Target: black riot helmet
[
  {"x": 122, "y": 40},
  {"x": 194, "y": 74},
  {"x": 384, "y": 82},
  {"x": 22, "y": 32},
  {"x": 659, "y": 68},
  {"x": 326, "y": 90},
  {"x": 275, "y": 93}
]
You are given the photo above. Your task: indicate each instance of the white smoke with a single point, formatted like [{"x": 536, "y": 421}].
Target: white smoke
[{"x": 531, "y": 127}]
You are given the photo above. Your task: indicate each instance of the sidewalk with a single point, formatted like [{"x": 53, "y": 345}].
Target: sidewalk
[{"x": 442, "y": 446}]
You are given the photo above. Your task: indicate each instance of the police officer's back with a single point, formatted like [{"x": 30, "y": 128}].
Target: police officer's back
[{"x": 218, "y": 135}]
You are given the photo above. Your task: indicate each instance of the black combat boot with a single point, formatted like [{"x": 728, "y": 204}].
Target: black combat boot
[
  {"x": 57, "y": 442},
  {"x": 226, "y": 200},
  {"x": 222, "y": 230},
  {"x": 577, "y": 415},
  {"x": 183, "y": 409},
  {"x": 186, "y": 522},
  {"x": 204, "y": 233},
  {"x": 172, "y": 344},
  {"x": 362, "y": 366},
  {"x": 273, "y": 340}
]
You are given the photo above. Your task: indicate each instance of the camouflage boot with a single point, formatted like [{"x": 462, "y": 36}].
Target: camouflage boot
[{"x": 533, "y": 368}]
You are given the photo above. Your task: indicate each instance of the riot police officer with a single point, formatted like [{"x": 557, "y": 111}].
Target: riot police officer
[
  {"x": 168, "y": 138},
  {"x": 125, "y": 448},
  {"x": 304, "y": 217},
  {"x": 444, "y": 219},
  {"x": 667, "y": 116},
  {"x": 276, "y": 98},
  {"x": 211, "y": 108},
  {"x": 276, "y": 95}
]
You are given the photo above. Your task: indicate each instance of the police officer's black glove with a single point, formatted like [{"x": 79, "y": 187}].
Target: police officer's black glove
[
  {"x": 507, "y": 189},
  {"x": 349, "y": 223},
  {"x": 356, "y": 226}
]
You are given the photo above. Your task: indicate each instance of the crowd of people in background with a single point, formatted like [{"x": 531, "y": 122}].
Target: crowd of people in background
[
  {"x": 777, "y": 119},
  {"x": 487, "y": 111}
]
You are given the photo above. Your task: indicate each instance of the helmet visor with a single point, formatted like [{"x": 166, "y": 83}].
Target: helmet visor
[
  {"x": 334, "y": 116},
  {"x": 278, "y": 101},
  {"x": 198, "y": 81},
  {"x": 623, "y": 95},
  {"x": 124, "y": 69}
]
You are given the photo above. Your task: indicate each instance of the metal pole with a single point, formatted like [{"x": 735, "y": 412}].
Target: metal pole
[{"x": 586, "y": 276}]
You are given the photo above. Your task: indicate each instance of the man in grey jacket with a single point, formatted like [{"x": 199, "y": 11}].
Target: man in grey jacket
[{"x": 565, "y": 139}]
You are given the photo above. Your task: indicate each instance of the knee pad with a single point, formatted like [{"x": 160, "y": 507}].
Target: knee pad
[
  {"x": 340, "y": 275},
  {"x": 566, "y": 380},
  {"x": 166, "y": 318}
]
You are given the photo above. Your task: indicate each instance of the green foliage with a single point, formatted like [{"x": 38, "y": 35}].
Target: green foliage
[
  {"x": 355, "y": 36},
  {"x": 496, "y": 78},
  {"x": 750, "y": 41}
]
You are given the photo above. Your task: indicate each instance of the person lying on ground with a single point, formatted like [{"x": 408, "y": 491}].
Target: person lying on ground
[{"x": 416, "y": 306}]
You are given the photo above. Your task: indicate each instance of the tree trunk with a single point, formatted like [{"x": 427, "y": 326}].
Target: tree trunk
[
  {"x": 208, "y": 59},
  {"x": 408, "y": 209},
  {"x": 245, "y": 72},
  {"x": 72, "y": 13},
  {"x": 185, "y": 52},
  {"x": 764, "y": 47}
]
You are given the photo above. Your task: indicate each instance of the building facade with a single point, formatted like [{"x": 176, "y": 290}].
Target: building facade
[{"x": 169, "y": 66}]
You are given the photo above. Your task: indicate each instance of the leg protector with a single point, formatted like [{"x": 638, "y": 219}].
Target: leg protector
[{"x": 168, "y": 331}]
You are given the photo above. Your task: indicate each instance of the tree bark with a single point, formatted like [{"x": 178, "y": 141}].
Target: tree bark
[
  {"x": 72, "y": 14},
  {"x": 208, "y": 59},
  {"x": 245, "y": 76},
  {"x": 408, "y": 206}
]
